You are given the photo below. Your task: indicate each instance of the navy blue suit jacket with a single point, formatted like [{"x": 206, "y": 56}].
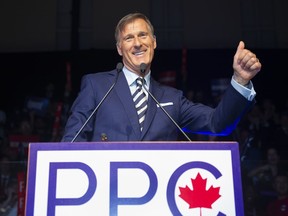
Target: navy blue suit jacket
[{"x": 118, "y": 120}]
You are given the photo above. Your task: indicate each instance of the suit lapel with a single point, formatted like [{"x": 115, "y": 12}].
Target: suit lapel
[
  {"x": 152, "y": 105},
  {"x": 124, "y": 94}
]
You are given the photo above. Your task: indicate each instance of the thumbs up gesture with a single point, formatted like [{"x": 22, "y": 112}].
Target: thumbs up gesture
[{"x": 245, "y": 64}]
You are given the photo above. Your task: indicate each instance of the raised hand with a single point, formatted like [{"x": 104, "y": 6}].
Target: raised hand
[{"x": 245, "y": 64}]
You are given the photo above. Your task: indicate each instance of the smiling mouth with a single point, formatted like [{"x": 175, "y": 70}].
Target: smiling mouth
[{"x": 138, "y": 53}]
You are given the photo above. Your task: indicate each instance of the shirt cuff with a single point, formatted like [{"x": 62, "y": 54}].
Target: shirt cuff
[{"x": 247, "y": 91}]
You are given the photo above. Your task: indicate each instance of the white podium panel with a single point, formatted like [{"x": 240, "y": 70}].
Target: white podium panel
[{"x": 134, "y": 178}]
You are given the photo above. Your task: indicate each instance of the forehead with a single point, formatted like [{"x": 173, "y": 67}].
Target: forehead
[{"x": 135, "y": 26}]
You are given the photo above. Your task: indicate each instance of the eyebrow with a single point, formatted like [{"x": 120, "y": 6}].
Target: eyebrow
[{"x": 139, "y": 33}]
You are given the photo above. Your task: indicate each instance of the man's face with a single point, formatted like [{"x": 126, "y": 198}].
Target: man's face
[{"x": 136, "y": 45}]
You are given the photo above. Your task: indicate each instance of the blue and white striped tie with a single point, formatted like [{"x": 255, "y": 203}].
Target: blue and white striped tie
[{"x": 140, "y": 99}]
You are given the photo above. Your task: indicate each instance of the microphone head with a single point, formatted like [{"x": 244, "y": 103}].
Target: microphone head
[
  {"x": 143, "y": 67},
  {"x": 119, "y": 66}
]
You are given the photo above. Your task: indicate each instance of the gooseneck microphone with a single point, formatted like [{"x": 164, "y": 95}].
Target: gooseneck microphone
[
  {"x": 143, "y": 67},
  {"x": 119, "y": 69}
]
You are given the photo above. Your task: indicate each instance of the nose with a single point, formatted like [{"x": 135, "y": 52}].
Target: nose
[{"x": 137, "y": 42}]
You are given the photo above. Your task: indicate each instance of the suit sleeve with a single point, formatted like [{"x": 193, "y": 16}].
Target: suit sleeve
[{"x": 221, "y": 120}]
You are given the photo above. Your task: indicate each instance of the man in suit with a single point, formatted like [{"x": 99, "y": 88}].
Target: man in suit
[{"x": 116, "y": 119}]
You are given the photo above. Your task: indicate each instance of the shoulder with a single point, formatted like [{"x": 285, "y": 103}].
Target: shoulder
[
  {"x": 100, "y": 75},
  {"x": 98, "y": 79}
]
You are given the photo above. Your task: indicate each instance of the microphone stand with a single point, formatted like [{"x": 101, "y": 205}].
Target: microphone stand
[
  {"x": 143, "y": 67},
  {"x": 118, "y": 68},
  {"x": 247, "y": 145},
  {"x": 167, "y": 114}
]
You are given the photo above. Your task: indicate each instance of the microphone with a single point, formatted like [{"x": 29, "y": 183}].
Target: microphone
[
  {"x": 118, "y": 69},
  {"x": 143, "y": 67}
]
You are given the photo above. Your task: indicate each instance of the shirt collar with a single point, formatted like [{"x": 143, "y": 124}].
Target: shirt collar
[{"x": 131, "y": 77}]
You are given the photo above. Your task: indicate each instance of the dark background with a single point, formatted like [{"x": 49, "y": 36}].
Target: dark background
[{"x": 38, "y": 38}]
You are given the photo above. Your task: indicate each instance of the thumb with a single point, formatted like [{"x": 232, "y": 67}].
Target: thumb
[{"x": 241, "y": 46}]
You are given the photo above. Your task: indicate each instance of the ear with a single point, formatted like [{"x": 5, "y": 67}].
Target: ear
[
  {"x": 155, "y": 42},
  {"x": 119, "y": 50}
]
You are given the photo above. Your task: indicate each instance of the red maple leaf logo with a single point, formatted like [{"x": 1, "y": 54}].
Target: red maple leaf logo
[{"x": 199, "y": 197}]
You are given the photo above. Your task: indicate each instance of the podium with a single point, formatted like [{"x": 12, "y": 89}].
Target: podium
[{"x": 134, "y": 178}]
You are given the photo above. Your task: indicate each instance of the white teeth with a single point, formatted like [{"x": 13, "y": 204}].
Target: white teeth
[{"x": 138, "y": 53}]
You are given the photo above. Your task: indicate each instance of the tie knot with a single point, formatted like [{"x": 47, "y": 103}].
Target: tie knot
[{"x": 140, "y": 81}]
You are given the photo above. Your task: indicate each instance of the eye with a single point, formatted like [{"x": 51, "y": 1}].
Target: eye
[
  {"x": 128, "y": 38},
  {"x": 143, "y": 34}
]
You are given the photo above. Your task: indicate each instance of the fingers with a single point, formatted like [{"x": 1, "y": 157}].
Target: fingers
[
  {"x": 256, "y": 66},
  {"x": 244, "y": 55},
  {"x": 249, "y": 61},
  {"x": 246, "y": 59}
]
